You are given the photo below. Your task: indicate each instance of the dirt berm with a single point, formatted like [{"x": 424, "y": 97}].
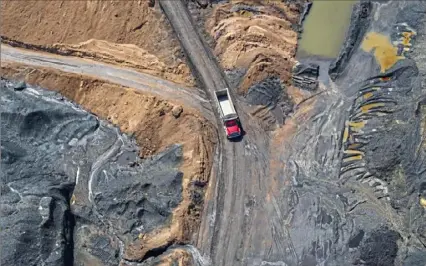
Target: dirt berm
[
  {"x": 127, "y": 33},
  {"x": 77, "y": 189},
  {"x": 255, "y": 43},
  {"x": 256, "y": 37}
]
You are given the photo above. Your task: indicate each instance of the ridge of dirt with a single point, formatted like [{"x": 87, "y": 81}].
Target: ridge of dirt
[
  {"x": 126, "y": 55},
  {"x": 129, "y": 33},
  {"x": 155, "y": 124},
  {"x": 257, "y": 36}
]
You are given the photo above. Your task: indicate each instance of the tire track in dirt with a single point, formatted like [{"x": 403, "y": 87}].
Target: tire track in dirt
[
  {"x": 122, "y": 76},
  {"x": 239, "y": 173}
]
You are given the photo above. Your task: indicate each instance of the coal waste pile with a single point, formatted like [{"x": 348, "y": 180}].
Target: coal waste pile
[{"x": 73, "y": 190}]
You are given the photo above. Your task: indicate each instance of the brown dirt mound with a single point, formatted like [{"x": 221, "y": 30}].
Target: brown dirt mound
[
  {"x": 124, "y": 32},
  {"x": 257, "y": 36},
  {"x": 155, "y": 123},
  {"x": 176, "y": 257}
]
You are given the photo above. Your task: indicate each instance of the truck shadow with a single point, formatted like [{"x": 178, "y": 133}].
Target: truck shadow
[{"x": 240, "y": 138}]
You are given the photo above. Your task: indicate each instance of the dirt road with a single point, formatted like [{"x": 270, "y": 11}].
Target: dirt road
[
  {"x": 234, "y": 202},
  {"x": 234, "y": 208},
  {"x": 237, "y": 227},
  {"x": 282, "y": 199},
  {"x": 125, "y": 77}
]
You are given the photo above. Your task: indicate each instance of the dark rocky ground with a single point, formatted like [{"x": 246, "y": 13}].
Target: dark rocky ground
[
  {"x": 271, "y": 93},
  {"x": 358, "y": 165},
  {"x": 73, "y": 191}
]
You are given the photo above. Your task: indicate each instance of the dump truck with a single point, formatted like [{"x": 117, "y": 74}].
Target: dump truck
[{"x": 229, "y": 116}]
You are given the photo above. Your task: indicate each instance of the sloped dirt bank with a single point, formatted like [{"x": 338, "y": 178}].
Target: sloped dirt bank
[
  {"x": 129, "y": 33},
  {"x": 157, "y": 126},
  {"x": 255, "y": 43},
  {"x": 256, "y": 36}
]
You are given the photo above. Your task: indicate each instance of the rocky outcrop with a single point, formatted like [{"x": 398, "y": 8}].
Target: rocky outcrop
[
  {"x": 305, "y": 76},
  {"x": 271, "y": 93},
  {"x": 360, "y": 20},
  {"x": 73, "y": 189}
]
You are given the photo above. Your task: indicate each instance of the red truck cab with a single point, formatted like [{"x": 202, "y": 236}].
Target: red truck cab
[{"x": 233, "y": 129}]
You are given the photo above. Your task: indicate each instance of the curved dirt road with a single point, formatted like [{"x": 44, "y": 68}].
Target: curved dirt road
[
  {"x": 122, "y": 76},
  {"x": 234, "y": 205}
]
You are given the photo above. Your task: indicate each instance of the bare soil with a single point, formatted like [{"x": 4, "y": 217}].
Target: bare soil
[
  {"x": 129, "y": 33},
  {"x": 154, "y": 123},
  {"x": 178, "y": 257},
  {"x": 257, "y": 36},
  {"x": 175, "y": 257}
]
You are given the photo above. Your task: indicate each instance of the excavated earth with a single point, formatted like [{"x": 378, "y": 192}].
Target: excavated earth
[
  {"x": 255, "y": 37},
  {"x": 127, "y": 33},
  {"x": 255, "y": 44},
  {"x": 345, "y": 184},
  {"x": 140, "y": 220}
]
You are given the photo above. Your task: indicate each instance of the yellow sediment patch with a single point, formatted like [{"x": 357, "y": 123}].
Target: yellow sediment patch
[
  {"x": 368, "y": 107},
  {"x": 406, "y": 39},
  {"x": 385, "y": 52},
  {"x": 357, "y": 125},
  {"x": 423, "y": 202},
  {"x": 345, "y": 134},
  {"x": 353, "y": 146},
  {"x": 368, "y": 95},
  {"x": 352, "y": 158},
  {"x": 353, "y": 152},
  {"x": 72, "y": 199}
]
